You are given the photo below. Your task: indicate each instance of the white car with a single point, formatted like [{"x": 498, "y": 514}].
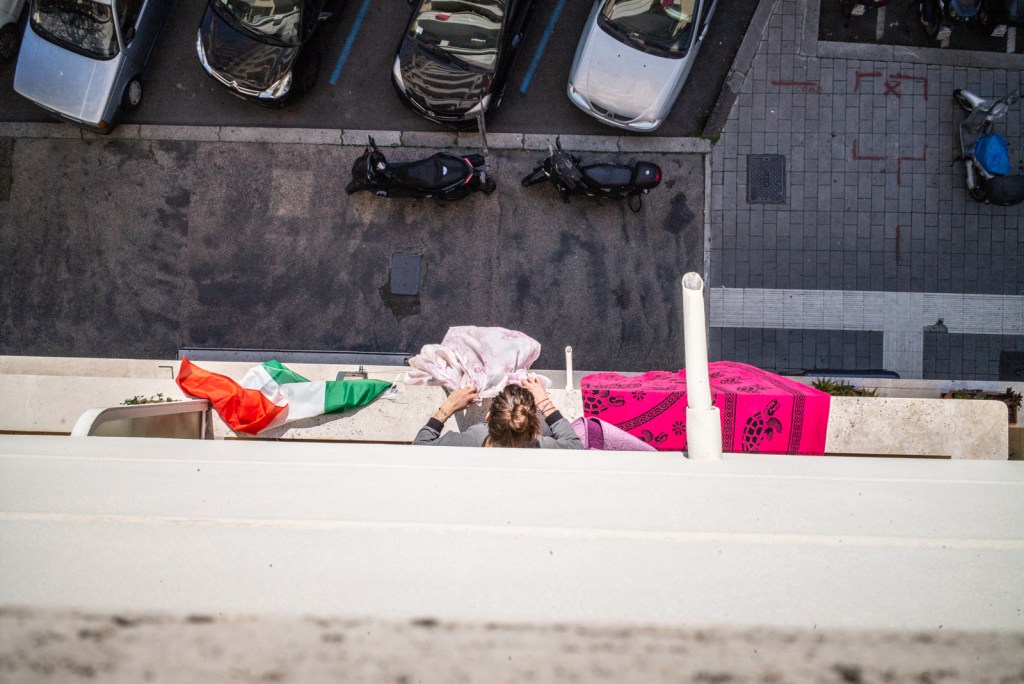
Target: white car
[
  {"x": 10, "y": 27},
  {"x": 634, "y": 57}
]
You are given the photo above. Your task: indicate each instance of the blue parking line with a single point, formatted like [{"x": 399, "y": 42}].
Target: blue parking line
[
  {"x": 349, "y": 41},
  {"x": 543, "y": 45}
]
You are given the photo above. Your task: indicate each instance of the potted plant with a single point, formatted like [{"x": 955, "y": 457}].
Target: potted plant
[{"x": 841, "y": 388}]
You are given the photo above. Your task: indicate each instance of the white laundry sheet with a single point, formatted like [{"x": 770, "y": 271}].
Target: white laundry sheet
[{"x": 487, "y": 358}]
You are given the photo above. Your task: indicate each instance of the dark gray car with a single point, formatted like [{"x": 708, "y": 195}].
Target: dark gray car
[{"x": 83, "y": 60}]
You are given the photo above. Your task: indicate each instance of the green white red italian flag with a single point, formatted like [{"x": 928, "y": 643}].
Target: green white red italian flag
[{"x": 271, "y": 394}]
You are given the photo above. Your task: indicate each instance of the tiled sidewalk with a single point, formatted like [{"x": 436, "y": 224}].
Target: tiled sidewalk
[{"x": 873, "y": 200}]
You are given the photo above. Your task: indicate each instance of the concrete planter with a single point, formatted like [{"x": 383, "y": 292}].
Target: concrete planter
[{"x": 1012, "y": 407}]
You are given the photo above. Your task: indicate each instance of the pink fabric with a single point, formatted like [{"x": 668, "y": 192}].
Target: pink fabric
[
  {"x": 761, "y": 412},
  {"x": 470, "y": 356},
  {"x": 599, "y": 435}
]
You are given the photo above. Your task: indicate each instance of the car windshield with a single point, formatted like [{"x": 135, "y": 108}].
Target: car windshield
[
  {"x": 661, "y": 26},
  {"x": 468, "y": 32},
  {"x": 83, "y": 26},
  {"x": 276, "y": 19}
]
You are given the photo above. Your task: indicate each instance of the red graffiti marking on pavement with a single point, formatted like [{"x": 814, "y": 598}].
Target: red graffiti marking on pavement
[
  {"x": 864, "y": 74},
  {"x": 908, "y": 77},
  {"x": 805, "y": 86},
  {"x": 900, "y": 160},
  {"x": 892, "y": 83},
  {"x": 859, "y": 157}
]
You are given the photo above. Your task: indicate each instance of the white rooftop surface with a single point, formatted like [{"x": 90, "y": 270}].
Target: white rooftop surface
[{"x": 372, "y": 530}]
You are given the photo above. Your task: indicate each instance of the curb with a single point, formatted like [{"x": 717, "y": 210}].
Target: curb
[
  {"x": 740, "y": 66},
  {"x": 359, "y": 137}
]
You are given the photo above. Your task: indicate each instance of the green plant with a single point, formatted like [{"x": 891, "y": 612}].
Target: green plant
[
  {"x": 841, "y": 388},
  {"x": 157, "y": 398},
  {"x": 1010, "y": 398}
]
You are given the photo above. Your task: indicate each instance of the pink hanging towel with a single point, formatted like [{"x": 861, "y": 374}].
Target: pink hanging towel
[{"x": 761, "y": 412}]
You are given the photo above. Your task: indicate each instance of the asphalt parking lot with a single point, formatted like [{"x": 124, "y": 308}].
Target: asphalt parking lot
[
  {"x": 139, "y": 248},
  {"x": 899, "y": 23},
  {"x": 178, "y": 92}
]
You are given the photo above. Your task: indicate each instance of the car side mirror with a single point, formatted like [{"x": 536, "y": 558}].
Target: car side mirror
[{"x": 129, "y": 34}]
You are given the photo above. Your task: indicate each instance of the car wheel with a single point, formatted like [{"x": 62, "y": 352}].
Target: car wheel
[
  {"x": 309, "y": 74},
  {"x": 9, "y": 41},
  {"x": 132, "y": 94}
]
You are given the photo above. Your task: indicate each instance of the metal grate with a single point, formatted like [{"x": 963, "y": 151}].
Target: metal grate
[
  {"x": 6, "y": 168},
  {"x": 766, "y": 179},
  {"x": 405, "y": 274}
]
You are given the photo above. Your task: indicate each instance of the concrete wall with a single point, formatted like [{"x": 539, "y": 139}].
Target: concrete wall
[
  {"x": 49, "y": 394},
  {"x": 502, "y": 535}
]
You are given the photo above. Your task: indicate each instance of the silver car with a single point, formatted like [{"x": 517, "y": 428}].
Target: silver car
[
  {"x": 82, "y": 60},
  {"x": 634, "y": 57}
]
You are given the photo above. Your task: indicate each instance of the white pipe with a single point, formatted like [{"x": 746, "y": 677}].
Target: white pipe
[
  {"x": 703, "y": 424},
  {"x": 570, "y": 401}
]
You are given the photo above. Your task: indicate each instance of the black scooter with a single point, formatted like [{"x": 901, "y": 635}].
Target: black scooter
[
  {"x": 441, "y": 176},
  {"x": 614, "y": 181}
]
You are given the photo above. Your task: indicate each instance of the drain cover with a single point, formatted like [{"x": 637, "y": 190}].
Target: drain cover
[
  {"x": 405, "y": 274},
  {"x": 766, "y": 179},
  {"x": 1011, "y": 366}
]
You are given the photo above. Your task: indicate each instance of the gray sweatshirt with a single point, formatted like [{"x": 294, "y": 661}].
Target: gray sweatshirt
[{"x": 556, "y": 433}]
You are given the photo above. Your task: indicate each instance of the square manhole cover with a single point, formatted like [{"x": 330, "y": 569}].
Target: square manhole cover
[
  {"x": 405, "y": 274},
  {"x": 766, "y": 179}
]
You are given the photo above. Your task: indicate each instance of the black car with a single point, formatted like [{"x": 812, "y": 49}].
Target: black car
[
  {"x": 262, "y": 50},
  {"x": 455, "y": 55}
]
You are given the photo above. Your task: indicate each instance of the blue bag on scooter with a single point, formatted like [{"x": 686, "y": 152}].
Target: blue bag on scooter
[{"x": 992, "y": 155}]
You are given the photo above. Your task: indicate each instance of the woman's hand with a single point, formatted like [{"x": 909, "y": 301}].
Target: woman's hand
[
  {"x": 537, "y": 389},
  {"x": 456, "y": 401}
]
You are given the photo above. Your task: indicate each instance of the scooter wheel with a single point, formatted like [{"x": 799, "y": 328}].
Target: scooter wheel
[
  {"x": 488, "y": 187},
  {"x": 538, "y": 176},
  {"x": 353, "y": 187},
  {"x": 978, "y": 193},
  {"x": 960, "y": 99}
]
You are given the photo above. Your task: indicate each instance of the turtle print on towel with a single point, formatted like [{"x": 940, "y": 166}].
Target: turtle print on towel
[{"x": 760, "y": 412}]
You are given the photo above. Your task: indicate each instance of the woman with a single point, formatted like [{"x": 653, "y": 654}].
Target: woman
[{"x": 513, "y": 420}]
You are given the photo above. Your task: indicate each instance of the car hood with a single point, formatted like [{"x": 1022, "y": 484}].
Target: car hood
[
  {"x": 623, "y": 80},
  {"x": 241, "y": 57},
  {"x": 64, "y": 81},
  {"x": 442, "y": 87}
]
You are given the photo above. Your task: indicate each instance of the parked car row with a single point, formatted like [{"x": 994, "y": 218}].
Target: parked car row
[{"x": 83, "y": 60}]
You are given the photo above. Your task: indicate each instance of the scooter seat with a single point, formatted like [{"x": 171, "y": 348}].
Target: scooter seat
[
  {"x": 991, "y": 152},
  {"x": 433, "y": 173},
  {"x": 1005, "y": 191},
  {"x": 608, "y": 175}
]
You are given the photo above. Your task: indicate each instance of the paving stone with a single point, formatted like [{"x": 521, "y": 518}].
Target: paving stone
[
  {"x": 382, "y": 138},
  {"x": 435, "y": 139},
  {"x": 189, "y": 133}
]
